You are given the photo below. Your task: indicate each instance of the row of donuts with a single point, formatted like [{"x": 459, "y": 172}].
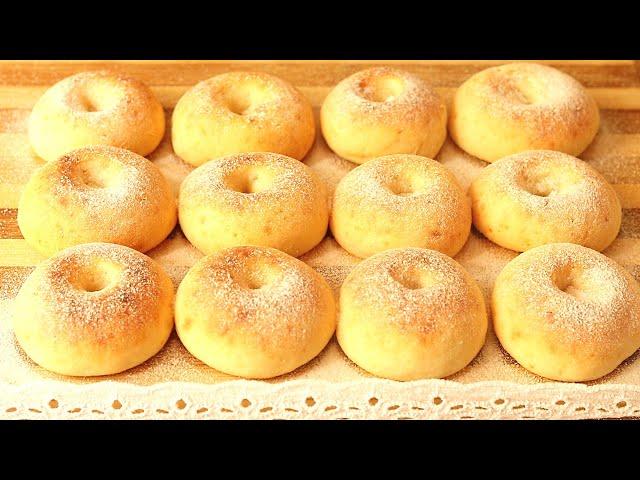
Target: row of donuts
[
  {"x": 106, "y": 194},
  {"x": 563, "y": 311},
  {"x": 375, "y": 112}
]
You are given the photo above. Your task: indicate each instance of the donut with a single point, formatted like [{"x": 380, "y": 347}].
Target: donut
[
  {"x": 400, "y": 201},
  {"x": 383, "y": 111},
  {"x": 411, "y": 313},
  {"x": 540, "y": 196},
  {"x": 263, "y": 199},
  {"x": 96, "y": 108},
  {"x": 254, "y": 312},
  {"x": 240, "y": 112},
  {"x": 522, "y": 106},
  {"x": 96, "y": 194},
  {"x": 566, "y": 312},
  {"x": 94, "y": 309}
]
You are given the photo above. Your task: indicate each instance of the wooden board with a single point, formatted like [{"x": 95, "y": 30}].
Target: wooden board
[{"x": 175, "y": 385}]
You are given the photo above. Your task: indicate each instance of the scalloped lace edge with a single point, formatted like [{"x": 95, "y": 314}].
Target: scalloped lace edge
[{"x": 314, "y": 399}]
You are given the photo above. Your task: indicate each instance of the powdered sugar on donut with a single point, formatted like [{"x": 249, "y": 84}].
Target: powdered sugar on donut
[
  {"x": 279, "y": 310},
  {"x": 123, "y": 308},
  {"x": 546, "y": 98},
  {"x": 583, "y": 295},
  {"x": 137, "y": 181},
  {"x": 96, "y": 108},
  {"x": 290, "y": 180},
  {"x": 416, "y": 96},
  {"x": 578, "y": 200},
  {"x": 379, "y": 283}
]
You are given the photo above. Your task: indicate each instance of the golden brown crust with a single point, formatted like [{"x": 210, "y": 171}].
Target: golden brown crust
[
  {"x": 358, "y": 95},
  {"x": 559, "y": 197},
  {"x": 238, "y": 112},
  {"x": 567, "y": 312},
  {"x": 94, "y": 309},
  {"x": 254, "y": 198},
  {"x": 97, "y": 193},
  {"x": 539, "y": 96},
  {"x": 264, "y": 293},
  {"x": 214, "y": 95},
  {"x": 400, "y": 201},
  {"x": 92, "y": 108},
  {"x": 603, "y": 307},
  {"x": 382, "y": 111},
  {"x": 522, "y": 106},
  {"x": 110, "y": 314},
  {"x": 411, "y": 313},
  {"x": 254, "y": 312},
  {"x": 284, "y": 182},
  {"x": 413, "y": 289}
]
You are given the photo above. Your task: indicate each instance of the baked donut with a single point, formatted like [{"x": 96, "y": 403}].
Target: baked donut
[
  {"x": 411, "y": 313},
  {"x": 522, "y": 106},
  {"x": 96, "y": 194},
  {"x": 96, "y": 108},
  {"x": 567, "y": 312},
  {"x": 400, "y": 201},
  {"x": 254, "y": 199},
  {"x": 537, "y": 197},
  {"x": 382, "y": 111},
  {"x": 254, "y": 312},
  {"x": 94, "y": 309},
  {"x": 241, "y": 112}
]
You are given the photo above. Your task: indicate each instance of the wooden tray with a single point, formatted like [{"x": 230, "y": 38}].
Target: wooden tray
[{"x": 175, "y": 385}]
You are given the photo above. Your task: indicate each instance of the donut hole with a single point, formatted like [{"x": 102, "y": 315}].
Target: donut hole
[
  {"x": 533, "y": 90},
  {"x": 97, "y": 171},
  {"x": 97, "y": 96},
  {"x": 250, "y": 180},
  {"x": 406, "y": 184},
  {"x": 239, "y": 105},
  {"x": 415, "y": 278},
  {"x": 91, "y": 106},
  {"x": 567, "y": 279},
  {"x": 97, "y": 276},
  {"x": 525, "y": 90},
  {"x": 385, "y": 88},
  {"x": 523, "y": 96},
  {"x": 584, "y": 284},
  {"x": 547, "y": 182},
  {"x": 243, "y": 98},
  {"x": 257, "y": 274}
]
